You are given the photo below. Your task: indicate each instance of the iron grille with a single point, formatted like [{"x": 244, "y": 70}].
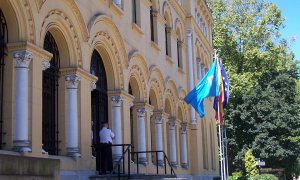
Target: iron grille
[
  {"x": 99, "y": 102},
  {"x": 50, "y": 98},
  {"x": 3, "y": 42}
]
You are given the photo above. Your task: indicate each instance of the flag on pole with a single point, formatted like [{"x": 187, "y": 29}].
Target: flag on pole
[
  {"x": 222, "y": 100},
  {"x": 207, "y": 87}
]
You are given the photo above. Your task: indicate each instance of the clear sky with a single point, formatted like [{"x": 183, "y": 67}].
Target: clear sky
[{"x": 290, "y": 9}]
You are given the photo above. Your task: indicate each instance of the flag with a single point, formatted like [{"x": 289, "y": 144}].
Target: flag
[
  {"x": 222, "y": 100},
  {"x": 207, "y": 87}
]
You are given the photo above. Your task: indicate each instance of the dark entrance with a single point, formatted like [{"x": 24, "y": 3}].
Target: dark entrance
[
  {"x": 3, "y": 42},
  {"x": 50, "y": 98},
  {"x": 99, "y": 102}
]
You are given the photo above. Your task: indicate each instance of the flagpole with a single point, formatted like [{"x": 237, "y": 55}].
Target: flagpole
[
  {"x": 226, "y": 150},
  {"x": 224, "y": 155},
  {"x": 220, "y": 145}
]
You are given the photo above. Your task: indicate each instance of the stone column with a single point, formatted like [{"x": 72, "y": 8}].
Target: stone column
[
  {"x": 118, "y": 3},
  {"x": 191, "y": 71},
  {"x": 141, "y": 135},
  {"x": 202, "y": 70},
  {"x": 72, "y": 134},
  {"x": 184, "y": 158},
  {"x": 159, "y": 139},
  {"x": 172, "y": 137},
  {"x": 117, "y": 126},
  {"x": 21, "y": 141},
  {"x": 199, "y": 70}
]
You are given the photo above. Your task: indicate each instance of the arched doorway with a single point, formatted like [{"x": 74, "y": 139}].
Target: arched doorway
[
  {"x": 3, "y": 42},
  {"x": 99, "y": 103},
  {"x": 50, "y": 98}
]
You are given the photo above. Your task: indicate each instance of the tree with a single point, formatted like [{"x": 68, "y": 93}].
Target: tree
[
  {"x": 250, "y": 164},
  {"x": 263, "y": 111}
]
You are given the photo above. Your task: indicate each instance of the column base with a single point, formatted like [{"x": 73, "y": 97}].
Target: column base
[
  {"x": 116, "y": 157},
  {"x": 160, "y": 163},
  {"x": 21, "y": 146},
  {"x": 73, "y": 152},
  {"x": 185, "y": 165},
  {"x": 173, "y": 164},
  {"x": 193, "y": 121},
  {"x": 143, "y": 161}
]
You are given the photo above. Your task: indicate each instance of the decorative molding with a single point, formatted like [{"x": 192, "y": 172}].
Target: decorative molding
[
  {"x": 81, "y": 72},
  {"x": 45, "y": 65},
  {"x": 93, "y": 86},
  {"x": 116, "y": 101},
  {"x": 22, "y": 58},
  {"x": 141, "y": 112},
  {"x": 159, "y": 119},
  {"x": 72, "y": 81},
  {"x": 71, "y": 29},
  {"x": 171, "y": 124}
]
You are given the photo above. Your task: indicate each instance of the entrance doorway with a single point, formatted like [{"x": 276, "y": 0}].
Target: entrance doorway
[{"x": 99, "y": 104}]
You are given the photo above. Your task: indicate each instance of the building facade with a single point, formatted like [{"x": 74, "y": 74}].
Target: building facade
[{"x": 68, "y": 65}]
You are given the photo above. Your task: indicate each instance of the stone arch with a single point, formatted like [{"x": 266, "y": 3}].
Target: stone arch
[
  {"x": 156, "y": 82},
  {"x": 179, "y": 29},
  {"x": 167, "y": 14},
  {"x": 139, "y": 71},
  {"x": 105, "y": 33},
  {"x": 62, "y": 28},
  {"x": 171, "y": 93},
  {"x": 16, "y": 19}
]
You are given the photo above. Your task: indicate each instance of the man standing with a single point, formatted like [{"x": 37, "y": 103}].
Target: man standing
[{"x": 106, "y": 139}]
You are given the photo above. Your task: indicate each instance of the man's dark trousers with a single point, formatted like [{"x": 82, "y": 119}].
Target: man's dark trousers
[{"x": 106, "y": 157}]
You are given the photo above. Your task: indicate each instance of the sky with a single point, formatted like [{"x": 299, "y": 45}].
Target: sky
[{"x": 290, "y": 9}]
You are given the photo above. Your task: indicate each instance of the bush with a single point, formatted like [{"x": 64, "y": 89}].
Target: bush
[
  {"x": 265, "y": 177},
  {"x": 237, "y": 178}
]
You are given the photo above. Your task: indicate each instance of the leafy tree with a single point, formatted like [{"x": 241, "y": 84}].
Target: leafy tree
[
  {"x": 263, "y": 113},
  {"x": 250, "y": 164}
]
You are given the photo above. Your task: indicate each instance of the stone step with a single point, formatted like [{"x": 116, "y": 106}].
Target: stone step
[{"x": 136, "y": 176}]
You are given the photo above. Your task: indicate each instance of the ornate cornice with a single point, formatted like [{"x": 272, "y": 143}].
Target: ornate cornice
[{"x": 35, "y": 50}]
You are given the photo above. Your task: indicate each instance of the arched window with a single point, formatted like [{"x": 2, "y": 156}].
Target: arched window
[
  {"x": 151, "y": 23},
  {"x": 50, "y": 98},
  {"x": 3, "y": 42},
  {"x": 99, "y": 97}
]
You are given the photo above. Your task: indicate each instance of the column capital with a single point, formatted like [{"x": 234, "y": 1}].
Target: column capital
[
  {"x": 22, "y": 58},
  {"x": 171, "y": 123},
  {"x": 72, "y": 81},
  {"x": 154, "y": 13},
  {"x": 189, "y": 32},
  {"x": 45, "y": 65},
  {"x": 93, "y": 86},
  {"x": 159, "y": 119},
  {"x": 180, "y": 43},
  {"x": 116, "y": 100},
  {"x": 141, "y": 112},
  {"x": 183, "y": 128}
]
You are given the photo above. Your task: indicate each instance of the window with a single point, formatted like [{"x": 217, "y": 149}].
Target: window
[
  {"x": 50, "y": 98},
  {"x": 3, "y": 42},
  {"x": 136, "y": 12},
  {"x": 151, "y": 24},
  {"x": 166, "y": 39},
  {"x": 179, "y": 53}
]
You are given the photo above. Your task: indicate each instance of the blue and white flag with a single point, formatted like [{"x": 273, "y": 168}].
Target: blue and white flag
[{"x": 207, "y": 87}]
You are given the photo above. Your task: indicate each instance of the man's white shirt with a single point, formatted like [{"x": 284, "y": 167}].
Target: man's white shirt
[{"x": 106, "y": 135}]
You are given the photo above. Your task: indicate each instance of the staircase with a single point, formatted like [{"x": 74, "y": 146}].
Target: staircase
[
  {"x": 125, "y": 168},
  {"x": 135, "y": 176}
]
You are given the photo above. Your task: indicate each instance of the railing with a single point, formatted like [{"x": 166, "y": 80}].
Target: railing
[
  {"x": 165, "y": 160},
  {"x": 121, "y": 160}
]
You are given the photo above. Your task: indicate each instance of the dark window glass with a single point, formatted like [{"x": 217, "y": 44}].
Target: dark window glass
[{"x": 50, "y": 98}]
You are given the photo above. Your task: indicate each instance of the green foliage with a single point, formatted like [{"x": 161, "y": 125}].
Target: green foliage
[
  {"x": 239, "y": 173},
  {"x": 265, "y": 177},
  {"x": 263, "y": 113},
  {"x": 250, "y": 164}
]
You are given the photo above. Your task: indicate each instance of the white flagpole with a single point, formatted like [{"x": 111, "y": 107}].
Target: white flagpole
[
  {"x": 224, "y": 156},
  {"x": 220, "y": 146}
]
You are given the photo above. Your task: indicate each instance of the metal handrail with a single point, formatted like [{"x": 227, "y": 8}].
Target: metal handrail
[
  {"x": 156, "y": 152},
  {"x": 122, "y": 158}
]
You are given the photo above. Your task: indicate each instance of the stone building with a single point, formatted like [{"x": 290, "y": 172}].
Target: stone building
[{"x": 68, "y": 65}]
